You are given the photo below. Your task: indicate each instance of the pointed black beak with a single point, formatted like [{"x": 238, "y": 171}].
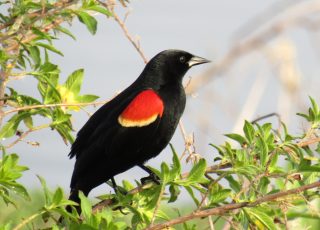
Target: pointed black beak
[{"x": 195, "y": 60}]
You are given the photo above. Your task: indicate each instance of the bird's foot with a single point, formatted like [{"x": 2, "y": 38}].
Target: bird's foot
[
  {"x": 117, "y": 189},
  {"x": 152, "y": 177},
  {"x": 120, "y": 209}
]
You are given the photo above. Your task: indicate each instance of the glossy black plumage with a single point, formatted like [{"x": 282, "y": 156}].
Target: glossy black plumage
[{"x": 103, "y": 148}]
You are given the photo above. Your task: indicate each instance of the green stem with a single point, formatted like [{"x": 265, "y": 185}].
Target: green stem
[{"x": 29, "y": 219}]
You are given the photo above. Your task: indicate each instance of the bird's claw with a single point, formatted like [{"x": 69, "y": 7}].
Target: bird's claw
[
  {"x": 120, "y": 209},
  {"x": 152, "y": 177}
]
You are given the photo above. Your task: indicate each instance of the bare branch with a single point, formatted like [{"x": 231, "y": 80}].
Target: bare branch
[
  {"x": 53, "y": 105},
  {"x": 125, "y": 30},
  {"x": 23, "y": 135},
  {"x": 228, "y": 207}
]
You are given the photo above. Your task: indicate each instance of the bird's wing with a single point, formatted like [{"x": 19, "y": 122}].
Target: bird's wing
[
  {"x": 127, "y": 110},
  {"x": 104, "y": 116}
]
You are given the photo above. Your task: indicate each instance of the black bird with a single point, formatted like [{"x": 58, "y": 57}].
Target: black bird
[{"x": 134, "y": 126}]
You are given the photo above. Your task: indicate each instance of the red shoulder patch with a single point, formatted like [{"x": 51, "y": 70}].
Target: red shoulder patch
[{"x": 142, "y": 110}]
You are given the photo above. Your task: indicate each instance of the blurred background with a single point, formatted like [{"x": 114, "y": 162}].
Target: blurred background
[{"x": 265, "y": 59}]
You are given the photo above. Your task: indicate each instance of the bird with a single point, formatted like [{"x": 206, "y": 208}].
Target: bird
[{"x": 134, "y": 126}]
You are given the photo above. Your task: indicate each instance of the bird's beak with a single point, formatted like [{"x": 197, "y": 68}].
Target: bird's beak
[{"x": 197, "y": 61}]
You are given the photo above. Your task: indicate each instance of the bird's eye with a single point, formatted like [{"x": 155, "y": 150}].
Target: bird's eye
[{"x": 182, "y": 59}]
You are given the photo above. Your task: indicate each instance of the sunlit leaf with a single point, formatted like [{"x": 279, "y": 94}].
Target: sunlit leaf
[{"x": 88, "y": 20}]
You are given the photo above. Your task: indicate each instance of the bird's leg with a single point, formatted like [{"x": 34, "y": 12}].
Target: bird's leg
[
  {"x": 152, "y": 176},
  {"x": 116, "y": 188},
  {"x": 114, "y": 185}
]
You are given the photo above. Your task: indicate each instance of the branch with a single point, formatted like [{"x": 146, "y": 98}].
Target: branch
[
  {"x": 3, "y": 82},
  {"x": 23, "y": 135},
  {"x": 53, "y": 105},
  {"x": 60, "y": 5},
  {"x": 110, "y": 7},
  {"x": 108, "y": 202},
  {"x": 228, "y": 207},
  {"x": 31, "y": 36}
]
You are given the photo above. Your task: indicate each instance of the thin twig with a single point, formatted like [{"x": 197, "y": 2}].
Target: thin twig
[
  {"x": 228, "y": 207},
  {"x": 205, "y": 196},
  {"x": 3, "y": 82},
  {"x": 26, "y": 133},
  {"x": 308, "y": 142},
  {"x": 157, "y": 205},
  {"x": 267, "y": 116},
  {"x": 31, "y": 36},
  {"x": 53, "y": 105},
  {"x": 125, "y": 31},
  {"x": 29, "y": 219},
  {"x": 58, "y": 5}
]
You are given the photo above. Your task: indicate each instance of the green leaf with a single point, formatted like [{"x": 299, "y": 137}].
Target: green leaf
[
  {"x": 99, "y": 9},
  {"x": 28, "y": 122},
  {"x": 47, "y": 194},
  {"x": 165, "y": 173},
  {"x": 219, "y": 196},
  {"x": 65, "y": 31},
  {"x": 246, "y": 170},
  {"x": 315, "y": 107},
  {"x": 235, "y": 185},
  {"x": 88, "y": 20},
  {"x": 49, "y": 47},
  {"x": 10, "y": 128},
  {"x": 176, "y": 167},
  {"x": 260, "y": 217},
  {"x": 57, "y": 196},
  {"x": 263, "y": 150},
  {"x": 85, "y": 206},
  {"x": 10, "y": 171},
  {"x": 174, "y": 193},
  {"x": 34, "y": 53},
  {"x": 248, "y": 131},
  {"x": 20, "y": 190},
  {"x": 74, "y": 81},
  {"x": 263, "y": 185},
  {"x": 304, "y": 116},
  {"x": 218, "y": 148},
  {"x": 87, "y": 98},
  {"x": 41, "y": 35},
  {"x": 191, "y": 193},
  {"x": 65, "y": 133},
  {"x": 238, "y": 138},
  {"x": 197, "y": 172},
  {"x": 162, "y": 215}
]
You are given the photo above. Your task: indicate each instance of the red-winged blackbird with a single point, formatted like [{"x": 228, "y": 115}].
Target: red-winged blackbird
[{"x": 134, "y": 126}]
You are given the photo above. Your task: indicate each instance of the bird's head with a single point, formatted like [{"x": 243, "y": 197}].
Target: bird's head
[{"x": 171, "y": 65}]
